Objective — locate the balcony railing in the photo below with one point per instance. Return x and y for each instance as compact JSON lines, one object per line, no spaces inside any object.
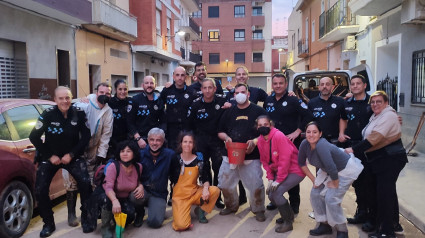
{"x":194,"y":26}
{"x":337,"y":15}
{"x":302,"y":48}
{"x":194,"y":57}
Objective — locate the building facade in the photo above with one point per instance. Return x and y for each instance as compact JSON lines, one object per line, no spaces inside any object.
{"x":235,"y":33}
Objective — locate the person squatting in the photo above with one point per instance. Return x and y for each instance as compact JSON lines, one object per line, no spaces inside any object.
{"x":120,"y":153}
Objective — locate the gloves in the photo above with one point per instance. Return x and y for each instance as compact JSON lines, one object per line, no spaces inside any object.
{"x":274,"y":186}
{"x":268,"y":186}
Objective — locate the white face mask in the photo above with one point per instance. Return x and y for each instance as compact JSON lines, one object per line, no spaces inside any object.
{"x":240,"y":98}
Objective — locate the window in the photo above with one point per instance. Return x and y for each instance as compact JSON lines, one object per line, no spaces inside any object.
{"x":198,"y":14}
{"x":240,"y":58}
{"x":257,"y":57}
{"x":214,"y":58}
{"x":24,"y":119}
{"x":4,"y":131}
{"x":239,"y":35}
{"x":213,"y":12}
{"x":214,"y":35}
{"x":158,"y":22}
{"x":313,"y":26}
{"x":257,"y":11}
{"x":239,"y":11}
{"x":418,"y":79}
{"x":257,"y":34}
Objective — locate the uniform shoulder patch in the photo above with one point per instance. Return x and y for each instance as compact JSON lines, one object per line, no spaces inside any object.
{"x":49,"y":109}
{"x":197,"y":99}
{"x":221,"y":95}
{"x":79,"y":109}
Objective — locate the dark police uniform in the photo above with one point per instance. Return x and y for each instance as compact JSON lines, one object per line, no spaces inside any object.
{"x":288,"y":114}
{"x":177,"y":103}
{"x":198,"y":85}
{"x":255,"y":95}
{"x":120,"y":131}
{"x":203,"y":119}
{"x":62,"y":136}
{"x":359,"y":113}
{"x":328,"y":113}
{"x":145,"y":114}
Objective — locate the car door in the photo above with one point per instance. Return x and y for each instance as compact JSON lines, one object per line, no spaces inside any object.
{"x":23,"y":119}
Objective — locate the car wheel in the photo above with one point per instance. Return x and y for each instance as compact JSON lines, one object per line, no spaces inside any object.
{"x":16,"y":204}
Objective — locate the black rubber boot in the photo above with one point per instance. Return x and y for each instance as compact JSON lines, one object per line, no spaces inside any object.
{"x":322,"y":229}
{"x":140,"y":213}
{"x":201,"y":215}
{"x":359,"y":217}
{"x":71,"y":201}
{"x":288,"y":218}
{"x":48,"y":229}
{"x":219,"y":203}
{"x":107,"y":224}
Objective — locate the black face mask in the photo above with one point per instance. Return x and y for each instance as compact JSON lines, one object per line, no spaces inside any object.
{"x":103,"y":99}
{"x":155,"y":151}
{"x":264,"y":130}
{"x":127,"y":164}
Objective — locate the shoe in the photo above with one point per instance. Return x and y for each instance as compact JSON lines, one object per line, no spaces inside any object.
{"x":226,"y":211}
{"x":87,"y":228}
{"x":322,"y":229}
{"x":138,"y":222}
{"x":368,"y":227}
{"x":342,"y":234}
{"x":71,"y":201}
{"x":170,"y":202}
{"x":311,"y":215}
{"x":358,"y":218}
{"x":201,"y":215}
{"x":259,"y":216}
{"x":219,"y":204}
{"x":287,"y":216}
{"x":270,"y":206}
{"x":279,"y":220}
{"x":47,"y":230}
{"x":398,"y":229}
{"x":380,"y":235}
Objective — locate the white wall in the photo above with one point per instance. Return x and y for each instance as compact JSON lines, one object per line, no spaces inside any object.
{"x":267,"y":34}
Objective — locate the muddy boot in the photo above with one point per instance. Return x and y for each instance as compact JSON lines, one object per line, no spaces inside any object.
{"x":201,"y":215}
{"x":287,"y":215}
{"x":71,"y":201}
{"x":359,"y":217}
{"x":107,"y":226}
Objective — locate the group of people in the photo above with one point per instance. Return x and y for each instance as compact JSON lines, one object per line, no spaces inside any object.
{"x":151,"y":139}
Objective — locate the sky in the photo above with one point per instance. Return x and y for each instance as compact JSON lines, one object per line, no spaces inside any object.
{"x":281,"y":9}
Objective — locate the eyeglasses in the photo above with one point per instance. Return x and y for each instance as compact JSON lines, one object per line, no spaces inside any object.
{"x":377,"y":102}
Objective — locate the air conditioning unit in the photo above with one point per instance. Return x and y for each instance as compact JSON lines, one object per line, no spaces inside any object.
{"x":350,"y":43}
{"x":413,"y":11}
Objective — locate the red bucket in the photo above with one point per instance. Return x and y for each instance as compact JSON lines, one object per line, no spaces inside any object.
{"x":236,"y":152}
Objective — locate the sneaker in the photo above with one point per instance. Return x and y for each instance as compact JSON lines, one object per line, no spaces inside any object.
{"x":398,"y":229}
{"x":311,"y":215}
{"x":259,"y":216}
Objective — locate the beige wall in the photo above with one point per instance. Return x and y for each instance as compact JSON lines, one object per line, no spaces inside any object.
{"x":94,"y":49}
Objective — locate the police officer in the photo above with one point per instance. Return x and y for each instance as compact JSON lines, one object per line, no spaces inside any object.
{"x":242,"y":77}
{"x":66,"y":136}
{"x":328,"y":110}
{"x":146,"y":111}
{"x":203,"y":117}
{"x":200,"y":74}
{"x":290,"y":115}
{"x":178,"y":97}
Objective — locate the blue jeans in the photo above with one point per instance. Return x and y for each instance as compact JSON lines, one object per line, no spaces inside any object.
{"x":156,"y":209}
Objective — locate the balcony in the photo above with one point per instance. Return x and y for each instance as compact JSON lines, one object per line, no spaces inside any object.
{"x":258,"y":20}
{"x":302,"y":48}
{"x":194,"y":57}
{"x":336,"y":23}
{"x":112,"y":21}
{"x":372,"y":7}
{"x":74,"y":12}
{"x":192,"y":29}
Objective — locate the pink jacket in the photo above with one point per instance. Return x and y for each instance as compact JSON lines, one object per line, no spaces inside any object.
{"x":284,"y":156}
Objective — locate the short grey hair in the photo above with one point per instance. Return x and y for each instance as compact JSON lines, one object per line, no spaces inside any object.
{"x":157,"y":131}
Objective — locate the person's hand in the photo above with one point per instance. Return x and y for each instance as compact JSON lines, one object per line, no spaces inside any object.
{"x":333,"y":184}
{"x":294,"y":135}
{"x":251,"y":146}
{"x":141,"y":143}
{"x":348,"y":95}
{"x":343,"y":138}
{"x":229,"y":87}
{"x":274,"y":186}
{"x":291,"y":93}
{"x":168,"y":84}
{"x":227,"y":105}
{"x":66,"y":159}
{"x":139,"y":192}
{"x":55,"y":160}
{"x":205,"y":193}
{"x":116,"y":206}
{"x":228,"y":139}
{"x":349,"y":150}
{"x":268,"y":186}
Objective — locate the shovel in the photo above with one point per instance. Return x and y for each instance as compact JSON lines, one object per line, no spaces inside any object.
{"x":409,"y":147}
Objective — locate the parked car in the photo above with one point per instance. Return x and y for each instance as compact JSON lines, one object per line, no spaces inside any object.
{"x":17,"y":178}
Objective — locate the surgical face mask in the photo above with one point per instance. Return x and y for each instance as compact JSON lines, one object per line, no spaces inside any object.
{"x":103,"y":99}
{"x":264,"y":130}
{"x":240,"y":98}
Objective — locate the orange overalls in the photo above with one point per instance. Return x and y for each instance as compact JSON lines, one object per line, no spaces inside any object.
{"x":186,"y":193}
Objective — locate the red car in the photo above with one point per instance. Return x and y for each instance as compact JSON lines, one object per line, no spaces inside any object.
{"x":17,"y":177}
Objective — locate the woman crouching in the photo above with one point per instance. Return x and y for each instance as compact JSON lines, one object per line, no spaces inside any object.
{"x":279,"y":158}
{"x":187,"y":192}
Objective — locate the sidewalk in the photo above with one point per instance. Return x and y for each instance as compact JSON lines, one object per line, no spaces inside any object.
{"x":411,"y":191}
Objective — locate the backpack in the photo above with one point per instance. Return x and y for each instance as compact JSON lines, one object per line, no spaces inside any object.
{"x":99,"y":175}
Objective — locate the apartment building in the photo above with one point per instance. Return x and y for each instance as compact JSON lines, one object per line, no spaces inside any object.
{"x":165,"y":38}
{"x":235,"y":33}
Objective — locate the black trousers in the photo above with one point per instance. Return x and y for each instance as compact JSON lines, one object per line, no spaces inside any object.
{"x":211,"y":147}
{"x":361,"y":186}
{"x":45,"y":172}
